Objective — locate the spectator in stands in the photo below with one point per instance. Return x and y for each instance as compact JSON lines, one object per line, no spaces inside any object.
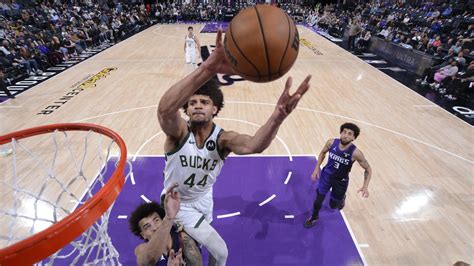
{"x":437,"y":42}
{"x":460,"y":59}
{"x":385,"y":32}
{"x":3,"y":86}
{"x":364,"y":42}
{"x":462,"y":85}
{"x":30,"y":64}
{"x":406,"y":44}
{"x":445,"y":72}
{"x":59,"y":47}
{"x":69,"y":45}
{"x":397,"y":38}
{"x":5,"y":47}
{"x":354,"y":30}
{"x":30,"y":57}
{"x":456,"y":47}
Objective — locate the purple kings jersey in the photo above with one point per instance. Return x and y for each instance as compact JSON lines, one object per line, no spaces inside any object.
{"x":339,"y":161}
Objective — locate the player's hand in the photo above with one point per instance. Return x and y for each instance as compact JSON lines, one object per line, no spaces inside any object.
{"x":216,"y":62}
{"x":315,"y":175}
{"x":364,"y":191}
{"x":172,"y":201}
{"x":287,"y":103}
{"x":175,"y":258}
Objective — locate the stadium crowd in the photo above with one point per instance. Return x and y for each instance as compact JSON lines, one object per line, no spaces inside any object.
{"x":443,"y":31}
{"x":37,"y":34}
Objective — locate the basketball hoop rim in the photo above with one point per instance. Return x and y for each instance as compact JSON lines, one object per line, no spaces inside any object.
{"x":43,"y":244}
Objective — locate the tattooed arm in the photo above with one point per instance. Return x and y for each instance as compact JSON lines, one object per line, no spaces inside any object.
{"x":191,"y":252}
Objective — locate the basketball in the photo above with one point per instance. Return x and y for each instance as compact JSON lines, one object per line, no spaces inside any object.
{"x":261,"y":43}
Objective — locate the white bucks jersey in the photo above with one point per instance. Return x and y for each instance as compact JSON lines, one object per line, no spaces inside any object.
{"x":190,"y":42}
{"x":194,"y":169}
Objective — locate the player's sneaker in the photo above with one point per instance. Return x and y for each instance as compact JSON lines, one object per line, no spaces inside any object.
{"x":310,"y":222}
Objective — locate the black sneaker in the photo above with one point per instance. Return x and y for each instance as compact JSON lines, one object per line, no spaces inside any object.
{"x":310,"y":222}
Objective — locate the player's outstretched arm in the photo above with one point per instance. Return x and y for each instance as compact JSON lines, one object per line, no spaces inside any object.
{"x":150,"y":252}
{"x":321,"y":156}
{"x":176,"y":96}
{"x":360,"y":158}
{"x":245,"y":144}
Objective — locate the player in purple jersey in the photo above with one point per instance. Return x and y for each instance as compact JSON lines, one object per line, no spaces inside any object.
{"x":335,"y":174}
{"x":163,"y":245}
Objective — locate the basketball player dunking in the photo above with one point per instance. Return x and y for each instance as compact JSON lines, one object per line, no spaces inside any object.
{"x":191,"y":44}
{"x":335,"y":175}
{"x":196,"y":149}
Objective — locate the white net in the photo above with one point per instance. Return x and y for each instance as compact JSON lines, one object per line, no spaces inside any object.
{"x":45,"y":178}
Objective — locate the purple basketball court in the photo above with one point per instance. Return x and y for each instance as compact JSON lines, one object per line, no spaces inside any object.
{"x":260,"y":204}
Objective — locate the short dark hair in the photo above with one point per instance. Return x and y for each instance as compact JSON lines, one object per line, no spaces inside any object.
{"x":144,"y":210}
{"x":190,"y":28}
{"x":211,"y":89}
{"x":352,"y":127}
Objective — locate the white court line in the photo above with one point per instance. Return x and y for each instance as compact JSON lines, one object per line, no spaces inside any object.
{"x":369,"y":124}
{"x":250,"y":123}
{"x":267,"y":200}
{"x":221,"y":118}
{"x":315,"y":111}
{"x":143,"y":145}
{"x":371,"y":66}
{"x":353,"y":238}
{"x":116,"y":112}
{"x":397,"y":133}
{"x":122,"y":217}
{"x":228,"y":215}
{"x":132,"y":178}
{"x":235,"y":155}
{"x":363,"y":245}
{"x":409,"y":90}
{"x":145,"y":198}
{"x":288,"y":178}
{"x":289,"y":216}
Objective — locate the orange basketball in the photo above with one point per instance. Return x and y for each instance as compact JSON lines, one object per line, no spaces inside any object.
{"x":261,"y":43}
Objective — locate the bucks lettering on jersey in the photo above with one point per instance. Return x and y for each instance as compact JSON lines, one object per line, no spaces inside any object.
{"x":340,"y":161}
{"x":194,"y":169}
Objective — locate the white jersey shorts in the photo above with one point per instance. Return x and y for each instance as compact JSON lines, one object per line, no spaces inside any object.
{"x":192,"y":214}
{"x":190,"y":55}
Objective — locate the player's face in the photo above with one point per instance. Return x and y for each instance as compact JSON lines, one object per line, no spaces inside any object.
{"x":347,"y":136}
{"x":149,"y":225}
{"x":200,"y":109}
{"x":190,"y":31}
